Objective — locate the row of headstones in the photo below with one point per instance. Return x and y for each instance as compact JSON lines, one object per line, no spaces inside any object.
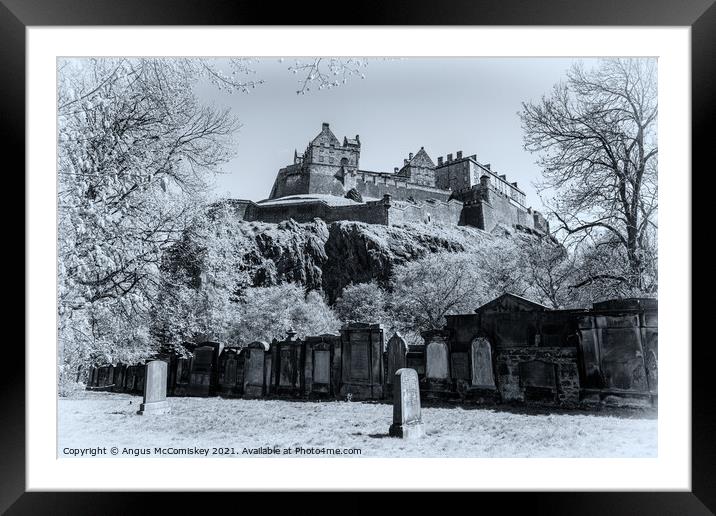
{"x":116,"y":378}
{"x":327,"y":366}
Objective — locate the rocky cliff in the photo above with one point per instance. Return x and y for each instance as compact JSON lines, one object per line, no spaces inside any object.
{"x":331,"y":256}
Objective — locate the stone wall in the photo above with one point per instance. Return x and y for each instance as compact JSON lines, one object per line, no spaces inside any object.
{"x":291,"y":180}
{"x":430,"y":212}
{"x":375,"y":212}
{"x":539,"y":375}
{"x":385,"y":212}
{"x":377,"y":185}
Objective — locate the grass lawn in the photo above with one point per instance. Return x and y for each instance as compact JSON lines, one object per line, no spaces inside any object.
{"x":100,"y":419}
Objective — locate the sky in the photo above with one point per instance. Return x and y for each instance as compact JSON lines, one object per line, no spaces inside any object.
{"x":442,"y":104}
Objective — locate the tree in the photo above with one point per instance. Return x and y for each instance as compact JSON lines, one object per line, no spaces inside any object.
{"x":202,"y":278}
{"x":136,"y":151}
{"x":596,"y":140}
{"x":326,"y":72}
{"x":549,"y":272}
{"x":265,"y":313}
{"x":426,"y":290}
{"x":362,"y":302}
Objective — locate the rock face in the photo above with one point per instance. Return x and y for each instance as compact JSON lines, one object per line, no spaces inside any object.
{"x":286,"y":252}
{"x":331,"y":256}
{"x":358,"y":252}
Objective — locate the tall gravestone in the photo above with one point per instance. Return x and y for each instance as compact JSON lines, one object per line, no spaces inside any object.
{"x":397,"y":351}
{"x":482,"y":363}
{"x":361,"y":358}
{"x":155,"y":389}
{"x":407,"y":417}
{"x":255,"y":369}
{"x":436,"y":366}
{"x":438,"y":381}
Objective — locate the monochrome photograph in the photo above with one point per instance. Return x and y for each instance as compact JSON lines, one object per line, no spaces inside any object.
{"x":434,"y":257}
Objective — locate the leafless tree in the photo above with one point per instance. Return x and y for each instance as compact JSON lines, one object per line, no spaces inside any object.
{"x":326,"y":72}
{"x":595,"y":135}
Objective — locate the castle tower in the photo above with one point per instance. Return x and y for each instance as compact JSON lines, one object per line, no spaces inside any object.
{"x":322,"y":168}
{"x":419,"y":168}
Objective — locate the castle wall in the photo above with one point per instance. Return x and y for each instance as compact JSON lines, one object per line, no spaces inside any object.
{"x":291,"y":180}
{"x":430,"y":212}
{"x":324,"y":180}
{"x":376,"y":186}
{"x":499,"y":209}
{"x":371,"y":213}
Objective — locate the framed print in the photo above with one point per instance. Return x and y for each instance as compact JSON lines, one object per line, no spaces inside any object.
{"x":423,"y":249}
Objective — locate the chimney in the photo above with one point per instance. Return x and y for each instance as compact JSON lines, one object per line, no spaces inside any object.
{"x":405,"y":162}
{"x":459,"y":154}
{"x":325,"y":126}
{"x":449,"y":158}
{"x":395,"y":170}
{"x":440,"y":161}
{"x":358,"y":139}
{"x":410,"y":156}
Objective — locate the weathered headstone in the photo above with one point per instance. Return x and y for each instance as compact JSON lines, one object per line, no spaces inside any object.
{"x":255,"y":369}
{"x":397,"y":351}
{"x":322,"y":366}
{"x":437,"y":360}
{"x":407,"y":418}
{"x":155,"y":389}
{"x":482,"y":363}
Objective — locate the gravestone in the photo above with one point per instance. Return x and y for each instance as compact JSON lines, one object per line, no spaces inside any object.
{"x":255,"y":369}
{"x":361,"y":361}
{"x":407,"y":418}
{"x":482,"y":363}
{"x":397,"y":351}
{"x":155,"y":389}
{"x":436,"y":363}
{"x":322,"y":366}
{"x":318,"y":375}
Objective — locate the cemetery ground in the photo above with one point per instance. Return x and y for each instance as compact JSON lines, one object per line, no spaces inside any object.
{"x":104,"y":419}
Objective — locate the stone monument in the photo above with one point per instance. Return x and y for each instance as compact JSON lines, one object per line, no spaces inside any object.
{"x":155,"y":389}
{"x":407,"y":419}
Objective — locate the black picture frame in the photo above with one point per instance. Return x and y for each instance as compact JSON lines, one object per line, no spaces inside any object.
{"x":700,"y":15}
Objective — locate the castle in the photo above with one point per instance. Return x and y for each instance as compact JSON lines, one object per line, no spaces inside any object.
{"x":326,"y":181}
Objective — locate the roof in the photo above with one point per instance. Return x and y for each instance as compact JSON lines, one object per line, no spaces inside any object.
{"x":331,"y":200}
{"x":326,"y":136}
{"x":630,"y":303}
{"x":420,"y":159}
{"x":509,"y":302}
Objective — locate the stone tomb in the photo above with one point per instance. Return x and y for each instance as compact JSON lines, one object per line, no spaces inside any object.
{"x":407,"y":417}
{"x":287,"y":366}
{"x":203,"y":374}
{"x":155,"y":389}
{"x":322,"y":356}
{"x":362,"y":361}
{"x":255,"y":369}
{"x":229,"y":378}
{"x":119,"y":377}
